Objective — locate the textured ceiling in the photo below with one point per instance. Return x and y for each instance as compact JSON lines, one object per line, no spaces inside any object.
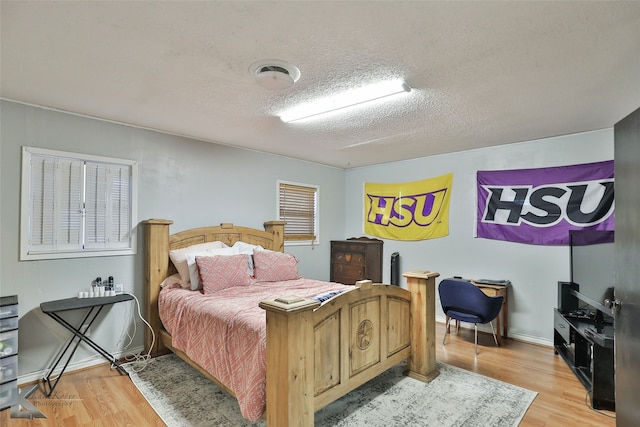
{"x":482,"y":73}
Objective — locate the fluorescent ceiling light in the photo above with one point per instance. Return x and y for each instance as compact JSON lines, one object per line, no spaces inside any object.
{"x":345,"y":100}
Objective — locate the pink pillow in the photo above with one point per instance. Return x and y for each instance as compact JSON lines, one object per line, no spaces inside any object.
{"x":222,"y":272}
{"x":173,"y":281}
{"x":271,"y":266}
{"x":179,"y":260}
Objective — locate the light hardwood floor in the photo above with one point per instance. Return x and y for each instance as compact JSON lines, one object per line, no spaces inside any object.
{"x":100,"y":396}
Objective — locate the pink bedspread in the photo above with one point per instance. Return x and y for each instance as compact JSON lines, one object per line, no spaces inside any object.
{"x":225,"y":332}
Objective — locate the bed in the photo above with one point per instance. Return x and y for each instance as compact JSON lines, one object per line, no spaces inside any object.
{"x":315,"y":351}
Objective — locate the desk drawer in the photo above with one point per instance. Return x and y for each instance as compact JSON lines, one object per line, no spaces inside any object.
{"x":562,"y":326}
{"x":8,"y":369}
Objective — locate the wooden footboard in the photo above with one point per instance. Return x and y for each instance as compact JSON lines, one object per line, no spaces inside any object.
{"x":317,"y":354}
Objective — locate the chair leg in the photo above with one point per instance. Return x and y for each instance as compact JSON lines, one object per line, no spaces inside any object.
{"x":446,"y":331}
{"x":475,"y":325}
{"x":494,"y":334}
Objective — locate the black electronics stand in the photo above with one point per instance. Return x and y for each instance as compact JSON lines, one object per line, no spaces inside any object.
{"x":94,"y":306}
{"x":585,"y":338}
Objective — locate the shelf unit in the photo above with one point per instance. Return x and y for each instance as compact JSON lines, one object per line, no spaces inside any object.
{"x":8,"y":351}
{"x":585,"y":343}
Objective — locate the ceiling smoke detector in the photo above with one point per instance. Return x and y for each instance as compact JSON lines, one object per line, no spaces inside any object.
{"x":274,"y":74}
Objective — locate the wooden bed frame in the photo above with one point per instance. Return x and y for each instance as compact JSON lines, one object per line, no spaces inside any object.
{"x":315,"y":353}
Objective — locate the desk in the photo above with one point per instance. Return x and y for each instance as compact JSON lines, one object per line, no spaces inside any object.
{"x":95,"y":306}
{"x":503,"y":318}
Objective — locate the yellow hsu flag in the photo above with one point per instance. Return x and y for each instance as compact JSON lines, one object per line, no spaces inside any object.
{"x":416,"y":210}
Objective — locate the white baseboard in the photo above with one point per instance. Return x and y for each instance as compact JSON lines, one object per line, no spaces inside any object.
{"x":74,"y":366}
{"x":518,"y":337}
{"x":532,"y":340}
{"x":97,"y":359}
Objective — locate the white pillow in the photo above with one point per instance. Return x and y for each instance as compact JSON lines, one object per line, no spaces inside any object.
{"x":194,"y":275}
{"x":248,"y":248}
{"x":180,"y":262}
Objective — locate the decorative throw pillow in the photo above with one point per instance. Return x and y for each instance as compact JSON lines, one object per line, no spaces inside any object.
{"x":271,"y":266}
{"x":194,"y":277}
{"x":222,"y":272}
{"x":180,"y":261}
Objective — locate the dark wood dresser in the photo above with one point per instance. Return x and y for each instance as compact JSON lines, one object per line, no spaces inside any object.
{"x":354,"y":259}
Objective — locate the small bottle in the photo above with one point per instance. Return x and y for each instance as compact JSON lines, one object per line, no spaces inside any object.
{"x":110,"y":287}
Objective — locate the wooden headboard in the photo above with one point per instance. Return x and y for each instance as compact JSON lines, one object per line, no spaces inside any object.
{"x":158,"y":266}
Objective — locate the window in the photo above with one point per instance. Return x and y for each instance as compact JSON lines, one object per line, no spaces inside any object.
{"x":298,"y":206}
{"x":76,"y":205}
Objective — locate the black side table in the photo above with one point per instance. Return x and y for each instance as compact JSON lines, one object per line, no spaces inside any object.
{"x":95,"y":306}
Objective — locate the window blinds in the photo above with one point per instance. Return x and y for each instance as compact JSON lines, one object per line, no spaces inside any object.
{"x":297,"y":205}
{"x":56,"y":204}
{"x":77,"y":205}
{"x":107,"y":206}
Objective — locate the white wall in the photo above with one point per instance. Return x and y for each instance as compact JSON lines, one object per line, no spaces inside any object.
{"x":190,"y":182}
{"x":533,"y":270}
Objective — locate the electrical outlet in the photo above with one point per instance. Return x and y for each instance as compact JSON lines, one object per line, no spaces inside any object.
{"x":128,"y":288}
{"x":87,"y":330}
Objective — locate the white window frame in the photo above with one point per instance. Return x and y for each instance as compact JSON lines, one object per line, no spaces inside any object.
{"x":91,"y":205}
{"x":316,"y":220}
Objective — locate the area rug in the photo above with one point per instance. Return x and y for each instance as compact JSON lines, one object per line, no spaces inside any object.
{"x":183,"y":397}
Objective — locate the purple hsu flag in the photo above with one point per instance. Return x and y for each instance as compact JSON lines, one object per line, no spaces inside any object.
{"x":540,"y":206}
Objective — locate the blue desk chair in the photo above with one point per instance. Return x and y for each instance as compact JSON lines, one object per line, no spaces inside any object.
{"x":463,"y":301}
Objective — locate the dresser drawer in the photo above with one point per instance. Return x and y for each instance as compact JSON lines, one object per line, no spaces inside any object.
{"x":8,"y":394}
{"x":347,"y":274}
{"x":8,"y":368}
{"x":8,"y":324}
{"x":349,"y":246}
{"x":10,"y":310}
{"x":352,"y":258}
{"x":8,"y":343}
{"x":562,"y":326}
